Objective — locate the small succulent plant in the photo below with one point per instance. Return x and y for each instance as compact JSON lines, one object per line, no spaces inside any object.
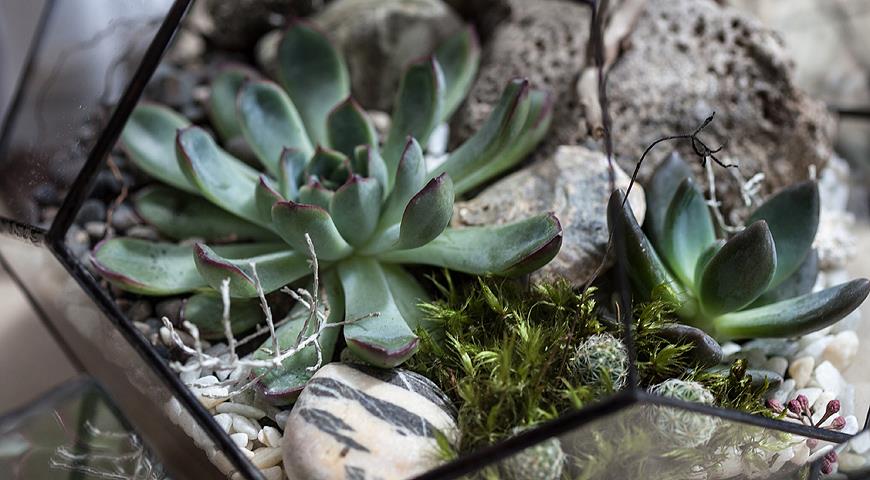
{"x":601,"y":362}
{"x":542,"y":461}
{"x":757,"y":283}
{"x":367,"y":207}
{"x":683,"y":428}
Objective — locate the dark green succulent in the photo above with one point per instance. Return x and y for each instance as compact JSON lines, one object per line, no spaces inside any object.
{"x":757,"y":283}
{"x":368,"y":208}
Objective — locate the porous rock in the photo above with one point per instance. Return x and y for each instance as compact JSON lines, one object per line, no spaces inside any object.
{"x":379,"y":38}
{"x":574,"y":184}
{"x":353,"y":421}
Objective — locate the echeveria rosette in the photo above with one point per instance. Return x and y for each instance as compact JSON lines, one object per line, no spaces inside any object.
{"x":757,"y":283}
{"x":368,"y":208}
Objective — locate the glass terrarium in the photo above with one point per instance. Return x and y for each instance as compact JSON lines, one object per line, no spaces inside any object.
{"x":269,"y":275}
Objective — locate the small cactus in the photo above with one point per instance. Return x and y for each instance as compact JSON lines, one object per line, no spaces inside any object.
{"x":601,"y":362}
{"x":543,"y":461}
{"x":681,"y":427}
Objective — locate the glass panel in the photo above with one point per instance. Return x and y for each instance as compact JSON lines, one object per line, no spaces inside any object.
{"x":74,"y":433}
{"x":84,"y":60}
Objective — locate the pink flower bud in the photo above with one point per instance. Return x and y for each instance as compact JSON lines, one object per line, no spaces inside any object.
{"x":833,"y":407}
{"x":838,"y":423}
{"x":812,"y":443}
{"x":803,"y":401}
{"x":794,"y":406}
{"x":775,"y":405}
{"x":831,"y":456}
{"x":827,"y":467}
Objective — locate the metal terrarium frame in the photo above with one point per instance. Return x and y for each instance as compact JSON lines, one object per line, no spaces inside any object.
{"x":106,"y":345}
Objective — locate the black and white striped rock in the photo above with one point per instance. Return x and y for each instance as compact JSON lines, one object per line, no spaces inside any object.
{"x":353,"y":421}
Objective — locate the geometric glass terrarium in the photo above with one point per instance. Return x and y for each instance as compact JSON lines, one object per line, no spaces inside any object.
{"x":95,"y":185}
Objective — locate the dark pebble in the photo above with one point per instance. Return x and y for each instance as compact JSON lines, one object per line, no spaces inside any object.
{"x":139,"y":311}
{"x":169,"y":308}
{"x":124,"y":217}
{"x":142,"y":231}
{"x":759,"y":376}
{"x":706,"y":351}
{"x":46,"y":194}
{"x":106,"y":186}
{"x":92,"y":210}
{"x":96,"y":230}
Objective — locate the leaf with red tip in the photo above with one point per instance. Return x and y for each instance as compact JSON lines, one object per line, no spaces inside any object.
{"x":410,"y":176}
{"x":314,"y":193}
{"x":355,"y":209}
{"x":293,"y":220}
{"x":275,"y":270}
{"x":348,"y":126}
{"x":266,"y":195}
{"x":428,"y":213}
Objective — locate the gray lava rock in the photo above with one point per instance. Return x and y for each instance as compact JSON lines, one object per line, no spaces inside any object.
{"x":380,"y":37}
{"x":359,"y":422}
{"x":240,"y":23}
{"x":574,"y":184}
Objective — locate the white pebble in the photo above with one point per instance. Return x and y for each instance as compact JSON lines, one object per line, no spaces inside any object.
{"x":266,"y":457}
{"x":730,"y":348}
{"x":165,"y":336}
{"x":829,"y":377}
{"x":851,"y":427}
{"x":842,"y":349}
{"x":850,"y":461}
{"x":821,"y":405}
{"x":247,"y":452}
{"x":281,"y":418}
{"x":211,"y":397}
{"x":820,"y":452}
{"x":801,"y":454}
{"x":860,"y":443}
{"x":224,"y":420}
{"x":783,"y":392}
{"x":273,"y":473}
{"x":816,"y":348}
{"x":206,"y":381}
{"x":270,"y":437}
{"x":812,"y":394}
{"x":190,"y":376}
{"x":800,"y":370}
{"x":245,"y":425}
{"x":240,"y":439}
{"x":781,"y":457}
{"x":777,"y":364}
{"x":241,"y":409}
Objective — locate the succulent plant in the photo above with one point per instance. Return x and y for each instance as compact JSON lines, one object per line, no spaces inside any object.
{"x":682,"y":428}
{"x":542,"y":461}
{"x":758,"y":283}
{"x":600,"y":361}
{"x":367,"y":208}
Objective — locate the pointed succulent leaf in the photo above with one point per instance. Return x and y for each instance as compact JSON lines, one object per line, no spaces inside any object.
{"x":704,"y":259}
{"x":293,"y":220}
{"x":221,"y":178}
{"x":537,"y":122}
{"x":347,"y":126}
{"x":281,"y":386}
{"x":330,"y":167}
{"x":797,"y":316}
{"x":314,"y":74}
{"x":222,"y":100}
{"x":158,"y":268}
{"x":409,"y":178}
{"x":275,"y":269}
{"x":266,"y":195}
{"x":428,"y":213}
{"x":501,"y":128}
{"x":290,"y":172}
{"x":740,"y":272}
{"x":799,"y":283}
{"x":314,"y":193}
{"x":407,"y":295}
{"x":509,"y":250}
{"x":205,"y":310}
{"x":355,"y":209}
{"x":688,"y":231}
{"x":459,"y":58}
{"x":793,"y":217}
{"x":149,"y":140}
{"x":270,"y":123}
{"x":180,"y":215}
{"x":645,"y":269}
{"x":660,"y":190}
{"x":417,"y":109}
{"x":384,"y":340}
{"x":367,"y":162}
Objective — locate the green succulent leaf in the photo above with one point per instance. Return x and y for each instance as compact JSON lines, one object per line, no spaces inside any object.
{"x":367,"y":162}
{"x":270,"y":123}
{"x":158,"y":268}
{"x":293,"y":220}
{"x":221,"y":178}
{"x":537,"y":122}
{"x":384,"y":340}
{"x":222,"y":101}
{"x":417,"y":109}
{"x":290,"y":170}
{"x":705,"y":258}
{"x":409,"y":179}
{"x":799,"y":283}
{"x":331,"y":167}
{"x":149,"y":140}
{"x":797,"y":316}
{"x":509,"y":250}
{"x":348,"y":126}
{"x":281,"y":386}
{"x":793,"y":217}
{"x":459,"y":58}
{"x":205,"y":310}
{"x":314,"y":74}
{"x":428,"y":213}
{"x":688,"y":231}
{"x":407,"y":295}
{"x":740,"y":272}
{"x":660,"y":191}
{"x":265,"y":195}
{"x":645,"y":269}
{"x":314,"y":193}
{"x":275,"y":269}
{"x":179,"y":215}
{"x":355,"y":209}
{"x":501,"y":128}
